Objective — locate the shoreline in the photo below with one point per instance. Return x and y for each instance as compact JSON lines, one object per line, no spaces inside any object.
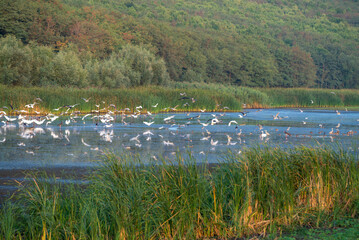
{"x":42,"y":114}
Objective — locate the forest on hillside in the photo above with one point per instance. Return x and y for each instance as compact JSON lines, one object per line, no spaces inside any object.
{"x":115,"y":43}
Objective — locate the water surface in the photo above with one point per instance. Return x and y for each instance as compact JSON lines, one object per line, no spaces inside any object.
{"x":81,"y":142}
{"x":69,"y":145}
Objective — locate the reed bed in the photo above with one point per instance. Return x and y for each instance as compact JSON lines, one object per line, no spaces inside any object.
{"x":260,"y":191}
{"x":212,"y":97}
{"x":146,"y":97}
{"x":250,"y":97}
{"x":304,"y":97}
{"x":283,"y":97}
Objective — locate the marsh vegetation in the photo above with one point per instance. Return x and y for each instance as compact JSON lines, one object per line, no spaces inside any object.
{"x":260,"y":191}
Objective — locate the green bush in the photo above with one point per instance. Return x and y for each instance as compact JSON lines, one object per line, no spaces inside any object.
{"x":15,"y":62}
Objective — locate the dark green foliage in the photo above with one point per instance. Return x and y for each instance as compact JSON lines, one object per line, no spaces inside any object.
{"x":26,"y":65}
{"x":15,"y":62}
{"x":247,"y":43}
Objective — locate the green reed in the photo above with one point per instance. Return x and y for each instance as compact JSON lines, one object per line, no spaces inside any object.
{"x":303,"y":97}
{"x":212,"y":97}
{"x":260,"y":191}
{"x":168,"y":99}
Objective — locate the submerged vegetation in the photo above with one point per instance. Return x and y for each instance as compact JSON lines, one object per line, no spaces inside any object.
{"x":258,"y":192}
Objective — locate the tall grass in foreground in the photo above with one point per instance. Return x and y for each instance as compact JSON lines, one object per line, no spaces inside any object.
{"x":261,"y":191}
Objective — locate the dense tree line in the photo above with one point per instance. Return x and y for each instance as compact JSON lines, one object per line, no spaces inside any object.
{"x":262,"y":43}
{"x":34,"y":65}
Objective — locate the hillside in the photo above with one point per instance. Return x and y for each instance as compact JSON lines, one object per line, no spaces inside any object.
{"x":107,"y":43}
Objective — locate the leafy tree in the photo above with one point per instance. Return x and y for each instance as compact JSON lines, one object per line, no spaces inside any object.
{"x":15,"y":18}
{"x":67,"y":70}
{"x":143,"y":67}
{"x":303,"y":68}
{"x":15,"y":62}
{"x":41,"y":65}
{"x":109,"y":73}
{"x":262,"y":43}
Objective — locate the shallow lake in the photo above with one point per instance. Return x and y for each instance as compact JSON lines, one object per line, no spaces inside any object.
{"x":78,"y":141}
{"x":72,"y":142}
